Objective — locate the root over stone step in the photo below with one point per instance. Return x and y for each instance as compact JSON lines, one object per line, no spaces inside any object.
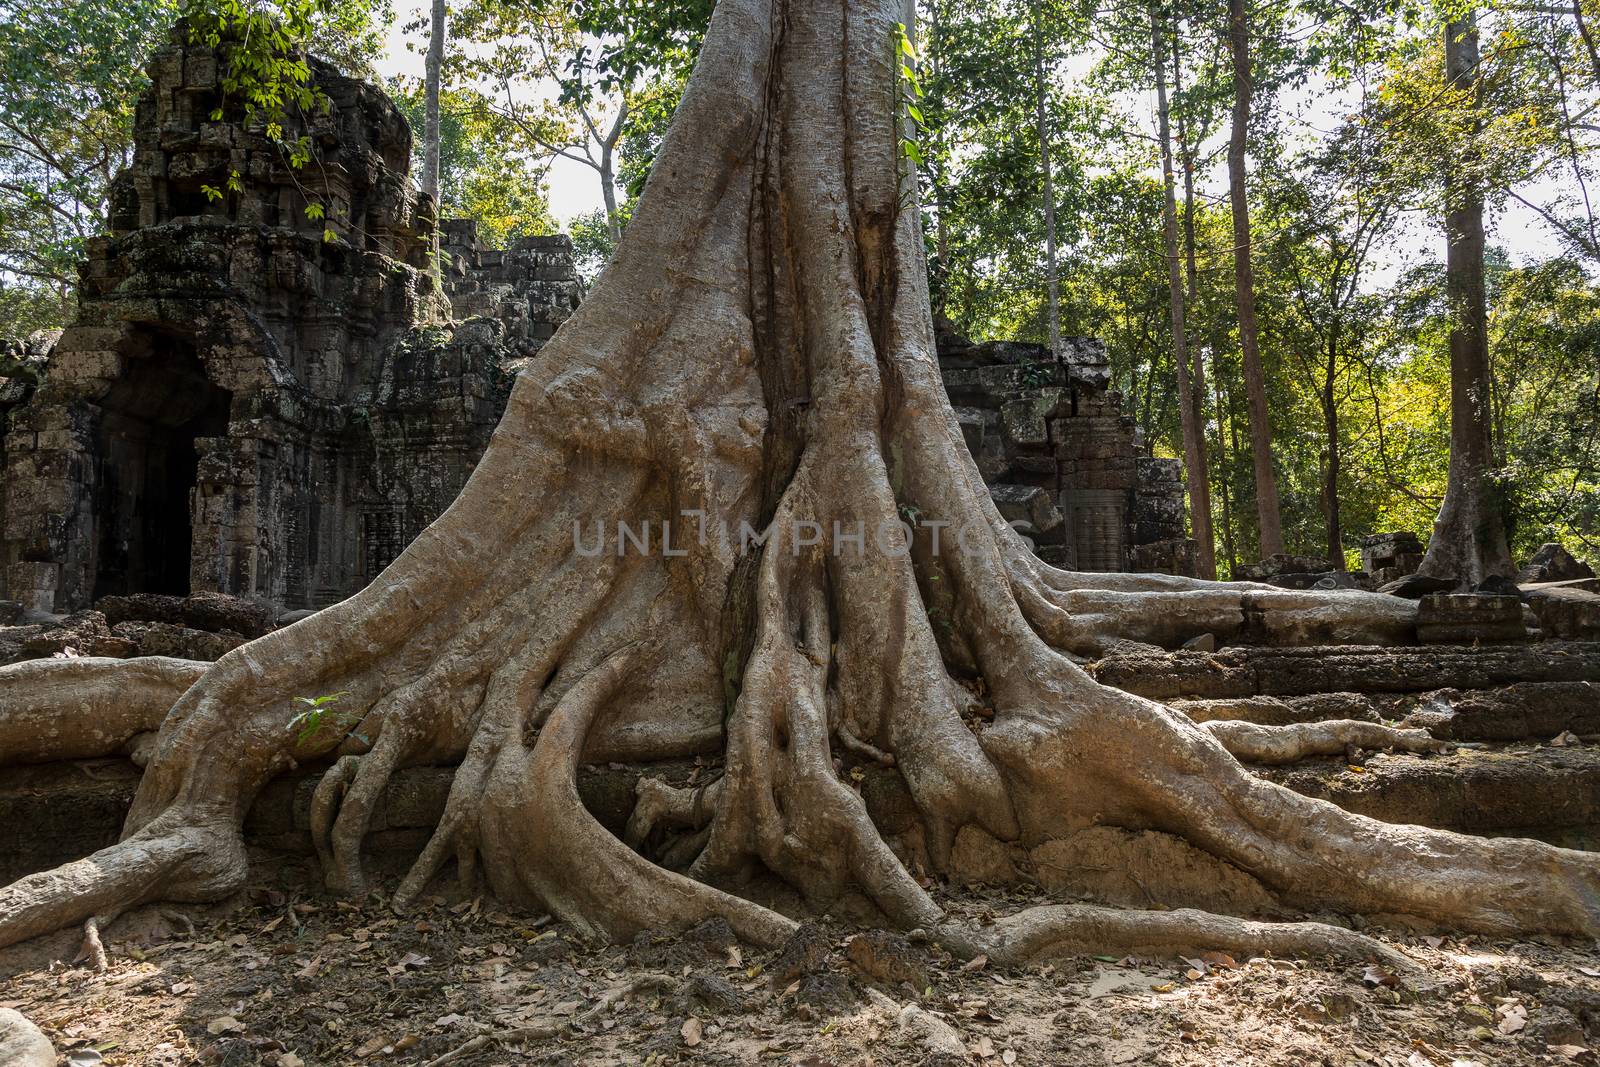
{"x":1553,"y":793}
{"x":1254,"y":671}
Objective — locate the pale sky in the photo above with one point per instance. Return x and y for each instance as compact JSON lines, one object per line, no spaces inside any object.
{"x":574,"y":188}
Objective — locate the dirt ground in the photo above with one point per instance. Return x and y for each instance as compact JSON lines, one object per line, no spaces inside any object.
{"x":284,"y":976}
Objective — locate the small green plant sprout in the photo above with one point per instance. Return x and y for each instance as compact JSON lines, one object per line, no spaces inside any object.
{"x":316,"y":716}
{"x":908,"y":94}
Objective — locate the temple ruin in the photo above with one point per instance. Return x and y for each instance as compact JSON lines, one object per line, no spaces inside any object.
{"x":1062,"y":459}
{"x":253,"y":400}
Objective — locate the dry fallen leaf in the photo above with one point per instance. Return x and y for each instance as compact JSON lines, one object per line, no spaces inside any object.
{"x":984,"y":1048}
{"x":409,"y":960}
{"x":224,"y":1024}
{"x":372,"y":1046}
{"x":691,"y":1031}
{"x":289,"y":1059}
{"x":976,"y":963}
{"x":1376,"y":976}
{"x":1513,"y":1017}
{"x":1009,"y":1056}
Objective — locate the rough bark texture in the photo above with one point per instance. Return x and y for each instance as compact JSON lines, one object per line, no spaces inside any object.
{"x":22,"y":1044}
{"x":1469,"y":536}
{"x":1255,"y":377}
{"x":760,"y":351}
{"x":86,"y":706}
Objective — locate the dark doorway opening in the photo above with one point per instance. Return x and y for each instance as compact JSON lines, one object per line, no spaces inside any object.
{"x":147,"y":465}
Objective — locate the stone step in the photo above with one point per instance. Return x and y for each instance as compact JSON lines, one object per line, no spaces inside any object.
{"x":1256,"y":671}
{"x":1547,"y":792}
{"x":67,"y":810}
{"x":1527,"y":711}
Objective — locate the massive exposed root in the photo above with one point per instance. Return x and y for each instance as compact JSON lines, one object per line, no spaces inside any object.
{"x":1084,"y":929}
{"x":85,"y":707}
{"x":758,"y":359}
{"x":1276,"y":745}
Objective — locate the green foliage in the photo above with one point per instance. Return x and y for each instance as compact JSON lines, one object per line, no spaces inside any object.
{"x":1352,"y":350}
{"x":591,"y":243}
{"x":319,"y":717}
{"x":616,"y":68}
{"x":908,"y":94}
{"x":70,"y":73}
{"x":489,"y":170}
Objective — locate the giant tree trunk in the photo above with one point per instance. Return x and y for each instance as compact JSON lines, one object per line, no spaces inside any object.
{"x":758,"y":356}
{"x":1255,"y":378}
{"x":1469,"y":536}
{"x":1190,"y":383}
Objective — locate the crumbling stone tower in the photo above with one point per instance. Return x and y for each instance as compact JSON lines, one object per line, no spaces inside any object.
{"x":247,"y":404}
{"x":1062,"y":459}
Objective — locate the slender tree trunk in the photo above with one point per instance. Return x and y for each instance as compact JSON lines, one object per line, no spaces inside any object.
{"x":1255,"y":379}
{"x":432,"y":75}
{"x":608,"y":192}
{"x":606,"y":144}
{"x":1330,"y":482}
{"x":1469,"y":536}
{"x":1189,"y":410}
{"x":1226,"y":488}
{"x":1041,"y":107}
{"x":1186,"y":154}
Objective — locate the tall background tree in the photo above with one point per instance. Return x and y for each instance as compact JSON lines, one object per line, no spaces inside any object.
{"x":1261,"y":449}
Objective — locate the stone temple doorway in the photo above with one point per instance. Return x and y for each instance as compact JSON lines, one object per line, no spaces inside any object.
{"x":147,"y":462}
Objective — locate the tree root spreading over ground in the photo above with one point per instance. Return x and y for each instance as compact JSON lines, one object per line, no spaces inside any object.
{"x":759,"y":356}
